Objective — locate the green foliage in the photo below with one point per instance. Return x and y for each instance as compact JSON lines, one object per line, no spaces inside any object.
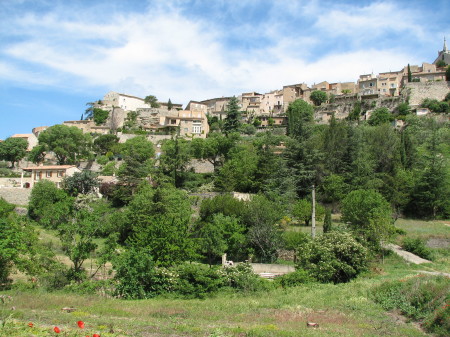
{"x":248,"y":129}
{"x":403,"y":109}
{"x":134,"y":273}
{"x":447,"y":73}
{"x":333,"y":257}
{"x":368,"y":214}
{"x":327,"y":224}
{"x":417,"y":246}
{"x":303,"y":211}
{"x":158,"y":219}
{"x":152,"y":101}
{"x":409,"y":73}
{"x":356,"y":112}
{"x":421,"y":298}
{"x":224,"y":204}
{"x":242,"y":278}
{"x":215,"y":148}
{"x":435,"y":106}
{"x":100,"y":116}
{"x":83,"y":182}
{"x":5,"y":208}
{"x":441,"y":64}
{"x":294,"y":279}
{"x":13,"y":149}
{"x":169,"y":105}
{"x":68,"y":143}
{"x":300,"y":116}
{"x":109,"y":169}
{"x":318,"y":97}
{"x":261,"y":217}
{"x":380,"y":116}
{"x":105,"y":143}
{"x":174,"y":159}
{"x":198,"y":281}
{"x":49,"y":205}
{"x":233,"y":120}
{"x":334,"y":188}
{"x":37,"y":154}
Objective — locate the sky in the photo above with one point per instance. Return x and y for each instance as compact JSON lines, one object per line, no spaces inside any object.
{"x":56,"y":56}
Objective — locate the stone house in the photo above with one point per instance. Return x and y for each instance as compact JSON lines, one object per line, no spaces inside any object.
{"x":53,"y":173}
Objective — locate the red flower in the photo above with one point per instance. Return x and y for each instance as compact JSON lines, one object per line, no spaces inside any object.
{"x":95,"y":335}
{"x":56,"y":329}
{"x":30,"y":325}
{"x":80,"y":324}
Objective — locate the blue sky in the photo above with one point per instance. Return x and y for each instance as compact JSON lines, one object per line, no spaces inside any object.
{"x":58,"y":55}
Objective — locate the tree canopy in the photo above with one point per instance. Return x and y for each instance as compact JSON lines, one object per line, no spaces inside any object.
{"x":318,"y":97}
{"x":13,"y":149}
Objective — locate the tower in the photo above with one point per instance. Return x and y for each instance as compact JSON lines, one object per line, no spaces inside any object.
{"x":443,"y":55}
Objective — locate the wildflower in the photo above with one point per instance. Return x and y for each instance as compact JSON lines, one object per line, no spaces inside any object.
{"x":95,"y":335}
{"x":30,"y":325}
{"x":80,"y":324}
{"x":56,"y":329}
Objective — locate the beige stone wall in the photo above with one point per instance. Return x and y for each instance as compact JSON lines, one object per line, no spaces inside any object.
{"x":16,"y":196}
{"x":418,"y":91}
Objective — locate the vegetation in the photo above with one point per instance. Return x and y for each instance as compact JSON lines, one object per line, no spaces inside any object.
{"x":318,"y":97}
{"x":13,"y":149}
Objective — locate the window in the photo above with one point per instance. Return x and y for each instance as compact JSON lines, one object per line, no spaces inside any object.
{"x":197,"y":127}
{"x":60,"y":174}
{"x":48,"y":174}
{"x":37,"y":175}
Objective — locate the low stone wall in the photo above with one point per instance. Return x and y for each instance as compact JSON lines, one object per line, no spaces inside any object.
{"x":278,"y":269}
{"x":16,"y":196}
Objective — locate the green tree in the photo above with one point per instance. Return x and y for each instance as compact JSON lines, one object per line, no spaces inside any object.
{"x":447,"y":73}
{"x":333,"y":257}
{"x":83,"y":182}
{"x":303,"y":211}
{"x":409,"y":74}
{"x":334,"y":189}
{"x":261,"y":217}
{"x":327,"y":224}
{"x":174,"y":159}
{"x":13,"y":150}
{"x":49,"y":205}
{"x":441,"y":64}
{"x":37,"y":154}
{"x":68,"y":143}
{"x":225,"y":204}
{"x":355,"y":114}
{"x":403,"y":109}
{"x":78,"y":233}
{"x":100,"y":116}
{"x":152,"y":101}
{"x":380,"y":116}
{"x":318,"y":97}
{"x":215,"y":148}
{"x":159,"y":219}
{"x":368,"y":214}
{"x":233,"y":120}
{"x":106,"y":143}
{"x":169,"y":105}
{"x":300,"y":118}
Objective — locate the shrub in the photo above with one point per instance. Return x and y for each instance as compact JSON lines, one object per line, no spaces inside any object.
{"x":197,"y":280}
{"x":417,"y":246}
{"x":243,"y":278}
{"x":420,"y":298}
{"x":333,"y":257}
{"x":294,"y":279}
{"x":102,"y":160}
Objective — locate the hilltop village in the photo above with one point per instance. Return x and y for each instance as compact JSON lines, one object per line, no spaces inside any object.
{"x":270,"y":198}
{"x":125,"y":115}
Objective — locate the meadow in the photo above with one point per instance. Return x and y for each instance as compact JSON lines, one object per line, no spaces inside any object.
{"x":347,"y":309}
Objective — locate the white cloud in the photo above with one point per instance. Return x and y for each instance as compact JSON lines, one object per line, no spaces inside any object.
{"x":163,"y":53}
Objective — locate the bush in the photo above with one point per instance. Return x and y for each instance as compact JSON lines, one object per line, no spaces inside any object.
{"x":102,"y":160}
{"x":197,"y":280}
{"x":243,"y":278}
{"x":333,"y":257}
{"x":417,"y":246}
{"x":294,"y":279}
{"x":422,"y":298}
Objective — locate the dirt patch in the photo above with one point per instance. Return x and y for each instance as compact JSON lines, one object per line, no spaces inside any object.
{"x":318,"y":316}
{"x":438,"y":243}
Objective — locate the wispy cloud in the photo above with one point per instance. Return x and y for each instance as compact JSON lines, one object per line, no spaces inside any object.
{"x":168,"y":50}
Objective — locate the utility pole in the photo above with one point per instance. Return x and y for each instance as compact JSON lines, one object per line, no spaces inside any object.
{"x":313,"y":216}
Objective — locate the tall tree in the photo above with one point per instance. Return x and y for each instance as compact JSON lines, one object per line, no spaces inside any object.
{"x":300,"y":118}
{"x":318,"y":97}
{"x":68,"y":143}
{"x":233,"y":119}
{"x":174,"y":159}
{"x":13,"y":149}
{"x":169,"y":105}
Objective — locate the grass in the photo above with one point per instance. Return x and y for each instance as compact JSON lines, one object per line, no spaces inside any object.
{"x":340,"y":310}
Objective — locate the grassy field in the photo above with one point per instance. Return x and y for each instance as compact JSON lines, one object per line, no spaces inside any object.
{"x":340,"y":310}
